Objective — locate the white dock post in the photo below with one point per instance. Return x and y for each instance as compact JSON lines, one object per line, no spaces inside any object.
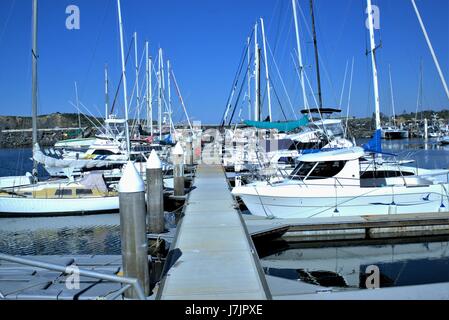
{"x":133,"y":229}
{"x":196,"y":145}
{"x":155,"y":194}
{"x":189,"y":152}
{"x":178,"y":169}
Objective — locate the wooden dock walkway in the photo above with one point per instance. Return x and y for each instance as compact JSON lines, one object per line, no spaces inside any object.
{"x":216,"y":256}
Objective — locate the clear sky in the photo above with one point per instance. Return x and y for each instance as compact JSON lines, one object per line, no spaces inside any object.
{"x":204,"y":40}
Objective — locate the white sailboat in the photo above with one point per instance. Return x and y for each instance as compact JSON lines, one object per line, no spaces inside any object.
{"x":54,"y":197}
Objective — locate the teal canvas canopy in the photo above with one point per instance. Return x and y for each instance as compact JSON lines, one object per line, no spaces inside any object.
{"x":280,"y":126}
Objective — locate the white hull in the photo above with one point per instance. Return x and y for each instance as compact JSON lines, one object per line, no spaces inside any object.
{"x":18,"y":206}
{"x":295,"y":201}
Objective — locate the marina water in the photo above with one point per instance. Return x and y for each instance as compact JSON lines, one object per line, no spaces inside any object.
{"x":401,"y":262}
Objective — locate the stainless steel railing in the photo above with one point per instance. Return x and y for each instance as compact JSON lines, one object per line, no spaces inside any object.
{"x":129,"y":282}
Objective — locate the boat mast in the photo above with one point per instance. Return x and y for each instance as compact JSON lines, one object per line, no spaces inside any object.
{"x":106,"y":92}
{"x":249,"y":77}
{"x":149,"y":91}
{"x":267,"y":76}
{"x":373,"y":60}
{"x":435,"y":60}
{"x":301,"y":66}
{"x":136,"y":65}
{"x":169,"y":97}
{"x":34,"y":55}
{"x":78,"y":105}
{"x":125,"y":93}
{"x":315,"y":45}
{"x":392,"y":96}
{"x":256,"y":77}
{"x":159,"y":97}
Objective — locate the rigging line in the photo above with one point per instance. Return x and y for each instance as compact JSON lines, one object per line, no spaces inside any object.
{"x":320,"y":58}
{"x":307,"y":80}
{"x":121,"y":79}
{"x":97,"y":41}
{"x":349,"y":97}
{"x":91,"y":114}
{"x":282,"y":81}
{"x":344,"y":84}
{"x":236,"y":78}
{"x":11,"y":9}
{"x":272,"y":87}
{"x":278,"y":29}
{"x":95,"y":126}
{"x":238,"y":98}
{"x":277,"y":98}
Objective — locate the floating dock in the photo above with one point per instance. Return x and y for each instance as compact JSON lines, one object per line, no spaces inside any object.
{"x":215,"y":258}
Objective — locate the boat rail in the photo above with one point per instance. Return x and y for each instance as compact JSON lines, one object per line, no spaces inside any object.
{"x":70,"y":270}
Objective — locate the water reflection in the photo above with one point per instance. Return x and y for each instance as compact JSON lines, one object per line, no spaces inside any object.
{"x":85,"y":240}
{"x":342,"y":265}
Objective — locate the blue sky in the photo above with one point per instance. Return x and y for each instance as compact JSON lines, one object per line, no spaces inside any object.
{"x":204,"y":39}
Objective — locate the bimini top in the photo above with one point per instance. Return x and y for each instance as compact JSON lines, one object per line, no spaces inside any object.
{"x":343,"y":154}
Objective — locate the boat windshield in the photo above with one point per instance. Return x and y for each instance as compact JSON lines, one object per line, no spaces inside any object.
{"x":332,"y":129}
{"x":317,"y":170}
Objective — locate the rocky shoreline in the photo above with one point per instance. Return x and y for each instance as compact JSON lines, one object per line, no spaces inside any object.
{"x":357,"y":127}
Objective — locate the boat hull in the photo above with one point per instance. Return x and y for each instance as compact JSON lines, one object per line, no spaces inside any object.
{"x":17,"y":206}
{"x":328,"y":203}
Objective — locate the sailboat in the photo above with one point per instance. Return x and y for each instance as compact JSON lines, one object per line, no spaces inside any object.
{"x":54,"y":197}
{"x":333,"y":183}
{"x":392,"y":131}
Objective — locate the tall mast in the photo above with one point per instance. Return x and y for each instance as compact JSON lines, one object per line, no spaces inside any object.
{"x":159,"y":96}
{"x":267,"y":76}
{"x":256,"y":77}
{"x":34,"y":55}
{"x":78,"y":105}
{"x":301,"y":66}
{"x":373,"y":60}
{"x":249,"y":78}
{"x":315,"y":45}
{"x":125,"y":93}
{"x":106,"y":92}
{"x":150,"y":71}
{"x":136,"y":64}
{"x":392,"y":96}
{"x":148,"y":93}
{"x":169,"y":96}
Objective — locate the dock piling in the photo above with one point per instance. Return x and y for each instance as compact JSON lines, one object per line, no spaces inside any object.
{"x":133,"y":229}
{"x":178,"y":169}
{"x":155,"y":194}
{"x":189,"y":152}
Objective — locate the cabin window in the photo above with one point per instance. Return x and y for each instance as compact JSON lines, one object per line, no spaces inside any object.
{"x":63,"y":192}
{"x":318,"y":170}
{"x":326,"y":169}
{"x":103,"y":152}
{"x":376,"y":174}
{"x":84,"y":192}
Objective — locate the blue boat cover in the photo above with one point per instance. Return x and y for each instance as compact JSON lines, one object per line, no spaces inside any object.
{"x":375,"y":144}
{"x":280,"y":126}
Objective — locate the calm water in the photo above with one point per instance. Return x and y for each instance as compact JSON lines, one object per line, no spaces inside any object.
{"x":425,"y":261}
{"x":15,"y":162}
